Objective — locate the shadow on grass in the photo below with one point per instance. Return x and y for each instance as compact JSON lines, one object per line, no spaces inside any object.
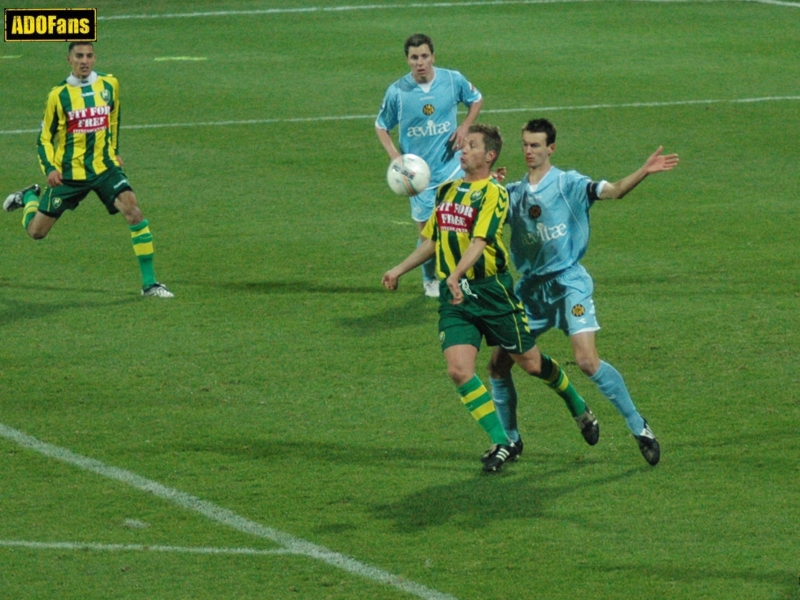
{"x":321,"y":453}
{"x":291,"y":287}
{"x":785,"y":582}
{"x":16,"y":310}
{"x":37,"y":287}
{"x":414,"y":311}
{"x":522,"y":490}
{"x":482,"y":499}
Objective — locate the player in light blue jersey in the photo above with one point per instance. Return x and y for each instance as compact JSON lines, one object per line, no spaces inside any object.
{"x":549,"y":220}
{"x":424,"y":104}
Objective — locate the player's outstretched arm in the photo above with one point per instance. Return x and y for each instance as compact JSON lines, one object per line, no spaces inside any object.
{"x":656,"y":163}
{"x":423,"y":252}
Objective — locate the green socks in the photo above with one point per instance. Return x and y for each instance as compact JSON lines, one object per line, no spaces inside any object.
{"x":555,"y":377}
{"x":142,"y":241}
{"x":478,"y":402}
{"x":31,"y":201}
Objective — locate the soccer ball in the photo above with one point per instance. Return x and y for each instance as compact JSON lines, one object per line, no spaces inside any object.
{"x":408,"y":175}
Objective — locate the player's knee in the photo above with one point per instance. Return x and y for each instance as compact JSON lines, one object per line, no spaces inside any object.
{"x":127,"y":205}
{"x":531,"y":367}
{"x":459,"y":374}
{"x":588,"y":364}
{"x":37,"y":230}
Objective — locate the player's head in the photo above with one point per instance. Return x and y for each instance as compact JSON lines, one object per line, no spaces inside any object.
{"x":73,"y":44}
{"x":482,"y":146}
{"x":538,"y":143}
{"x":419,"y":55}
{"x":81,"y":58}
{"x":541,"y":126}
{"x":417,"y":40}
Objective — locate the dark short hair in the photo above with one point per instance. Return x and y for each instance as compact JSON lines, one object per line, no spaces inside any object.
{"x":492,"y":140}
{"x":541,"y":126}
{"x":418,"y":39}
{"x":73,"y":44}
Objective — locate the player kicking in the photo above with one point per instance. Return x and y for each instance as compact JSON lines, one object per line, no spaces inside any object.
{"x":424,"y":104}
{"x":78,"y":154}
{"x":549,"y":220}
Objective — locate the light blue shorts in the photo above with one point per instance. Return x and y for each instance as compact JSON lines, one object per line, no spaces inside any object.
{"x":563,"y":302}
{"x":422,"y":205}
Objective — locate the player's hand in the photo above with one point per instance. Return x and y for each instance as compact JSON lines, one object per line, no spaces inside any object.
{"x":499,"y":174}
{"x":119,"y":160}
{"x":54,"y":178}
{"x":390,"y":279}
{"x":658,"y":162}
{"x":458,"y":137}
{"x":455,"y":290}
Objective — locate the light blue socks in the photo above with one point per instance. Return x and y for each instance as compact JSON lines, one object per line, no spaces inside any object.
{"x":612,"y":386}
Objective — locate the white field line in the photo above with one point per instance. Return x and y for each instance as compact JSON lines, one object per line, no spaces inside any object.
{"x":531,"y":110}
{"x":137,"y":548}
{"x":396,"y":6}
{"x":224,"y":516}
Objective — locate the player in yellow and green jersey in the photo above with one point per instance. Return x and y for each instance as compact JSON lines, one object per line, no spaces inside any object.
{"x":476,"y":293}
{"x":77,"y":148}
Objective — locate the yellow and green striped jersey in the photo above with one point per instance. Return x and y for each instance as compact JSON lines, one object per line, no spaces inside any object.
{"x":464,"y":211}
{"x":79,"y":135}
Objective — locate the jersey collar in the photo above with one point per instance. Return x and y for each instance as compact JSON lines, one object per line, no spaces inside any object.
{"x":72,"y":80}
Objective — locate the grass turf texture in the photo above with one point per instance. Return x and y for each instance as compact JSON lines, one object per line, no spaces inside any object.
{"x":285,"y":385}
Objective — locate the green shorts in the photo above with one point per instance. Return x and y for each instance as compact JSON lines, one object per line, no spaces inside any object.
{"x":108,"y":185}
{"x":490,"y":310}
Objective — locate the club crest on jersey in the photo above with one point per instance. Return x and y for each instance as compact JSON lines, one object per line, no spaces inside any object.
{"x":428,"y":110}
{"x":535,"y":211}
{"x":578,"y":310}
{"x":105,"y":95}
{"x":476,"y":196}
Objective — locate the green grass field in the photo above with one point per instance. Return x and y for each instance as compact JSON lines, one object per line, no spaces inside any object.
{"x":285,"y":428}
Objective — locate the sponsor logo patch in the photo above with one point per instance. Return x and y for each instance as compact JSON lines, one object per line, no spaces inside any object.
{"x":454,"y":217}
{"x":88,"y":120}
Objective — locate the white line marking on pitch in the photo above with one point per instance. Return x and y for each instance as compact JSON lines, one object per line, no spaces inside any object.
{"x":484,"y":111}
{"x":224,"y":516}
{"x":181,"y":58}
{"x":137,"y":548}
{"x":413,"y":5}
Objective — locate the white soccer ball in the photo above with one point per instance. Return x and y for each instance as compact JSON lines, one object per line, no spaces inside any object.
{"x":408,"y":175}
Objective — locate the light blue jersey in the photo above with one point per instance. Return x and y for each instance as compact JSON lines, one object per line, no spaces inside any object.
{"x":550,"y":234}
{"x":428,"y":119}
{"x":550,"y":223}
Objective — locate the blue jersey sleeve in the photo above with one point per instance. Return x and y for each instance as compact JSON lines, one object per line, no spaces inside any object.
{"x":579,"y":188}
{"x":467,"y":93}
{"x":388,"y":117}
